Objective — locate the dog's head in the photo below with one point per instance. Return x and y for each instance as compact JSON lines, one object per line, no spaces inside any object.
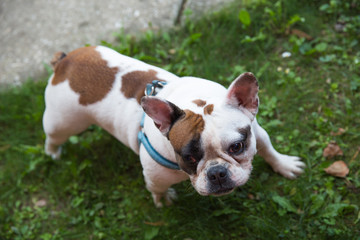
{"x":215,"y":148}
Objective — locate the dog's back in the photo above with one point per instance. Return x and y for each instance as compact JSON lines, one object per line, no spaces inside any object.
{"x":96,"y":85}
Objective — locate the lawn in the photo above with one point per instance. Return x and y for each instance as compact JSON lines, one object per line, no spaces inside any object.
{"x":308,"y":101}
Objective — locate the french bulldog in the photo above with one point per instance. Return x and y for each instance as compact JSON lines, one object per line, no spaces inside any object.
{"x":209,"y":131}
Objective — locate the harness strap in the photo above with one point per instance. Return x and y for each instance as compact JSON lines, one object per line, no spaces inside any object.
{"x":150,"y":90}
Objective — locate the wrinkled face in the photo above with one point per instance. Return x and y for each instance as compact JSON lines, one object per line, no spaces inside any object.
{"x":214,"y":143}
{"x":215,"y":148}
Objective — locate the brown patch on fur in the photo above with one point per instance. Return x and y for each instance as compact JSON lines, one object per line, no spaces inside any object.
{"x":88,"y":74}
{"x":134,"y":83}
{"x":186,"y":129}
{"x":209,"y":109}
{"x":199,"y":102}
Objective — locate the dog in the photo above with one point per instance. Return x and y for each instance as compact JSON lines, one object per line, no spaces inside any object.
{"x":209,"y":133}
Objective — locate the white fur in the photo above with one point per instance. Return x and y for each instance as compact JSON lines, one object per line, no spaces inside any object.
{"x":120,"y":116}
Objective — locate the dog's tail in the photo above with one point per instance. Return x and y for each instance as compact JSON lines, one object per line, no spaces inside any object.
{"x":57,"y":58}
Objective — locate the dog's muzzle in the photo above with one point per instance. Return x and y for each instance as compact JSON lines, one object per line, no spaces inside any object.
{"x":219,"y":181}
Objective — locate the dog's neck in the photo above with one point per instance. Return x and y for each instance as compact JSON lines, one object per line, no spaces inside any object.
{"x":199,"y":100}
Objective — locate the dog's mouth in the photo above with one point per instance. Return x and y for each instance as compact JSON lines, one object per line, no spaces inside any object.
{"x":217,"y":192}
{"x":222,"y":191}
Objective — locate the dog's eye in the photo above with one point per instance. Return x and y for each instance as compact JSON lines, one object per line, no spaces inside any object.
{"x":190,"y":159}
{"x":237,"y":148}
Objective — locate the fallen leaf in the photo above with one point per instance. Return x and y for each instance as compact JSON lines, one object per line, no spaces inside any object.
{"x":41,"y":203}
{"x":251,"y":196}
{"x":172,"y":51}
{"x":339,"y":132}
{"x":339,"y":27}
{"x":332,"y":150}
{"x":159,"y":223}
{"x":301,"y":34}
{"x":338,"y":169}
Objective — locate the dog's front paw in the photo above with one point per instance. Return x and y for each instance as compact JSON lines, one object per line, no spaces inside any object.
{"x":169,"y":196}
{"x":289,"y":166}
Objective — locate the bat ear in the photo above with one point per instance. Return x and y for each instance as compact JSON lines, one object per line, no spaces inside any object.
{"x":162,"y":112}
{"x":243,"y":93}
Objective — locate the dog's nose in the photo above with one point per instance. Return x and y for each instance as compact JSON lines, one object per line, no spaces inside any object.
{"x":217,"y":175}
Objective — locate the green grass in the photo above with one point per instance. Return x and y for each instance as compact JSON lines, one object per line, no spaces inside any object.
{"x":96,"y":191}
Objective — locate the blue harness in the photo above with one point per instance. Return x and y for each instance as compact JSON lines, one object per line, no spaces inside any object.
{"x":150,"y":90}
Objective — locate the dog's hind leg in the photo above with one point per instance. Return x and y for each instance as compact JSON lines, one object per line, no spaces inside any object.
{"x":288,"y":166}
{"x":59,"y":127}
